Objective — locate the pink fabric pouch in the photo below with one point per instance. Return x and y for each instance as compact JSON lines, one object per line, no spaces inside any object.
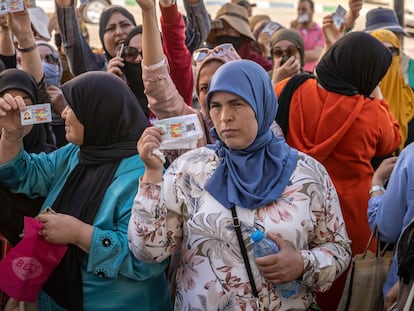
{"x":28,"y":265}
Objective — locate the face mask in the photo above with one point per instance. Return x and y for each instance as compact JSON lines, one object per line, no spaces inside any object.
{"x":236,"y":41}
{"x":52,"y":74}
{"x":133,"y":75}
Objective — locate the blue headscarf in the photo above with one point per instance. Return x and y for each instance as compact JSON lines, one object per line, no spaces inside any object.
{"x":257,"y":175}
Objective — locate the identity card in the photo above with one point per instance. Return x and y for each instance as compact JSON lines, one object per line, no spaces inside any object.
{"x":34,"y":114}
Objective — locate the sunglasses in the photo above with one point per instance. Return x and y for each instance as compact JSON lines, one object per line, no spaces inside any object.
{"x":51,"y":58}
{"x":130,"y":51}
{"x":291,"y":50}
{"x":220,"y":50}
{"x":394,"y":51}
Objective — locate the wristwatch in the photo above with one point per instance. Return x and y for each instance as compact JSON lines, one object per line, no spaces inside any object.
{"x":376,"y":188}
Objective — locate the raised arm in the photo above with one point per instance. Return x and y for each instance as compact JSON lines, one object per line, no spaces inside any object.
{"x":79,"y":53}
{"x":198,"y":24}
{"x":20,"y":26}
{"x":179,"y":57}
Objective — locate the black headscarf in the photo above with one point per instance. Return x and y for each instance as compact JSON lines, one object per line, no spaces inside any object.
{"x":104,"y":19}
{"x":15,"y":79}
{"x":113,"y":122}
{"x":39,"y":138}
{"x":133,"y":74}
{"x":355,"y":64}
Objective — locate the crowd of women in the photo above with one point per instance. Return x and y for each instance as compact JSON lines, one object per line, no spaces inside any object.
{"x":149,"y":233}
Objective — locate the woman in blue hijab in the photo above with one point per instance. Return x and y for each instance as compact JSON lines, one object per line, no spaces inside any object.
{"x":249,"y":174}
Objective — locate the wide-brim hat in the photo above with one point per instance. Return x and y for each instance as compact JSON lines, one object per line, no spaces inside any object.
{"x":40,"y":22}
{"x":383,"y":18}
{"x":236,"y":16}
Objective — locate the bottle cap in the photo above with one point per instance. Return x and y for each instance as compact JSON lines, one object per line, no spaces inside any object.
{"x":257,"y":235}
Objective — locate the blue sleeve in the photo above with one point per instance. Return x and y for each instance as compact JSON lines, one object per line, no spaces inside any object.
{"x":392,"y":211}
{"x":41,"y":174}
{"x":109,"y":254}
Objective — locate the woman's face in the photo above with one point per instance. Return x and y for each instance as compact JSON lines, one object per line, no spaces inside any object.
{"x":115,"y":33}
{"x":135,"y":42}
{"x":74,"y":129}
{"x":283,"y":50}
{"x":234,"y":120}
{"x":204,"y":78}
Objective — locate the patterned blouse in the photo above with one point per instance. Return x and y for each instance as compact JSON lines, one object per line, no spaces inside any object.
{"x":211,"y":274}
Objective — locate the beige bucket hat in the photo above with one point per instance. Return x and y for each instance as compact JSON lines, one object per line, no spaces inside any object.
{"x":236,"y":16}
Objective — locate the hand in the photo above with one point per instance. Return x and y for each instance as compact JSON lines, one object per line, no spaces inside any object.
{"x":146,"y":5}
{"x":115,"y":66}
{"x":355,"y":7}
{"x":64,"y":3}
{"x":283,"y":267}
{"x":331,"y":33}
{"x":263,"y":40}
{"x":291,"y":67}
{"x":21,"y":27}
{"x":383,"y":172}
{"x":150,"y":140}
{"x":10,"y":108}
{"x":165,"y":3}
{"x":392,"y":295}
{"x":57,"y":99}
{"x":59,"y":228}
{"x":3,"y":22}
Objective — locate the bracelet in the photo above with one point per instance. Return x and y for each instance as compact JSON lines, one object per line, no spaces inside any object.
{"x":26,"y":50}
{"x":376,"y":188}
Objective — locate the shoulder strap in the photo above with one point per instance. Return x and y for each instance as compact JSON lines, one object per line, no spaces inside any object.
{"x":282,"y":115}
{"x":236,"y":225}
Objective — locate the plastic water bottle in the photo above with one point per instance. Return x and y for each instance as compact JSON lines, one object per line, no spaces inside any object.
{"x":264,"y":246}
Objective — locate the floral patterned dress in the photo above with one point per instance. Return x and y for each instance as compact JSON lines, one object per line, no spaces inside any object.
{"x":211,"y":274}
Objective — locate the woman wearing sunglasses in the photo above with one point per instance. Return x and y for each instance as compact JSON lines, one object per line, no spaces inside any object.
{"x":288,"y":54}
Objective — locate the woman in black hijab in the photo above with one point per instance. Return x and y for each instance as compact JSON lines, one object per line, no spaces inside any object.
{"x":338,"y":119}
{"x":90,"y":183}
{"x":350,"y":67}
{"x":37,"y":139}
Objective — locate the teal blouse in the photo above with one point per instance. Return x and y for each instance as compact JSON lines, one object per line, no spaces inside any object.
{"x":113,"y":279}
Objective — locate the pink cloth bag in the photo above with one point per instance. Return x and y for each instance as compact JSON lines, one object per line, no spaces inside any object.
{"x":28,"y":265}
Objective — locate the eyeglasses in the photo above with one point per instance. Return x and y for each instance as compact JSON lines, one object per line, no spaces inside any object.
{"x":130,"y":51}
{"x":290,"y":50}
{"x":220,"y":50}
{"x":394,"y":51}
{"x":51,"y":58}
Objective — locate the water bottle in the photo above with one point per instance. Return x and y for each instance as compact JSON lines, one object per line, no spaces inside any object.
{"x":264,"y":246}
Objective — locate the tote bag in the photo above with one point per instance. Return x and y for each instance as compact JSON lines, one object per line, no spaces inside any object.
{"x":28,"y":265}
{"x":366,"y":276}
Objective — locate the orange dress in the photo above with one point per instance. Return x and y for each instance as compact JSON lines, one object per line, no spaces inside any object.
{"x":343,"y":133}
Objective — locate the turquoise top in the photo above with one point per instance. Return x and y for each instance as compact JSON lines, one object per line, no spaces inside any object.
{"x":113,"y":279}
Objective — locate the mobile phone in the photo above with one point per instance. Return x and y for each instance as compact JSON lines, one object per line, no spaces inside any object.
{"x":121,"y":50}
{"x":339,"y":16}
{"x":284,"y":59}
{"x":58,"y":40}
{"x":271,"y":28}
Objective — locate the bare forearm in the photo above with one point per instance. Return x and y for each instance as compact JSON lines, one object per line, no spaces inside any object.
{"x":151,"y":39}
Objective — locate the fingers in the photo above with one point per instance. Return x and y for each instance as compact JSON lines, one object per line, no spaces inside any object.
{"x":115,"y":66}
